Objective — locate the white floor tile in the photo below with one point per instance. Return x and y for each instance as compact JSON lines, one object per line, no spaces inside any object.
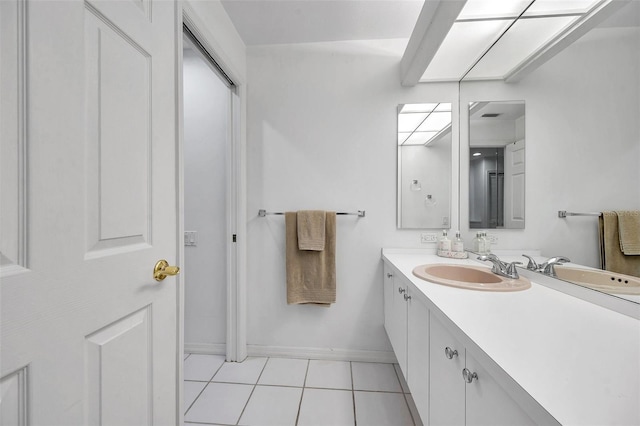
{"x":191,"y":391}
{"x":414,"y":410}
{"x":272,"y":406}
{"x":403,"y":383}
{"x":375,"y":377}
{"x":329,"y":374}
{"x":382,"y":409}
{"x":202,"y":367}
{"x":284,"y":372}
{"x":322,"y":407}
{"x":219,"y":403}
{"x":247,"y":371}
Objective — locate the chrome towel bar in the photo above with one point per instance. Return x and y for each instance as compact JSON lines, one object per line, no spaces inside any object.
{"x":564,"y":213}
{"x":359,"y":213}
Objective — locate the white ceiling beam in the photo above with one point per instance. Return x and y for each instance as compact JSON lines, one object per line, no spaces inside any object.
{"x":433,"y":25}
{"x":564,"y":40}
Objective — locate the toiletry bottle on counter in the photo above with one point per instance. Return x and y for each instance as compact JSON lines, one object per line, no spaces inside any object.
{"x":478,"y":243}
{"x":487,"y":242}
{"x":457,"y":245}
{"x":445,"y":243}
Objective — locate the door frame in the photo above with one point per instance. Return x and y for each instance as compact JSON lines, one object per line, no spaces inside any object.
{"x":236,"y":336}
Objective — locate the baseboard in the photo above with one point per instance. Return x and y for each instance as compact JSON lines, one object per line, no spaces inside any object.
{"x":386,"y":357}
{"x":205,"y":348}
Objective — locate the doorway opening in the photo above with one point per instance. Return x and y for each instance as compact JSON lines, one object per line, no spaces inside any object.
{"x":209,"y":108}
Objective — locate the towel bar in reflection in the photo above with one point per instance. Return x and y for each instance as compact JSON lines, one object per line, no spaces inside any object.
{"x":359,"y":213}
{"x":564,"y":214}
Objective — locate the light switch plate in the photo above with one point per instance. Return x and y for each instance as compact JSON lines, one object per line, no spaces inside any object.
{"x":190,"y":238}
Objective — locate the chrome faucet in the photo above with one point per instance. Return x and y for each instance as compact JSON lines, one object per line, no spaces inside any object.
{"x":548,"y":267}
{"x":501,"y":268}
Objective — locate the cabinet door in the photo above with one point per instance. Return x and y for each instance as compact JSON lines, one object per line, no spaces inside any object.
{"x":487,"y":403}
{"x":399,"y":341}
{"x":388,"y":299}
{"x":418,"y":354}
{"x":446,"y":395}
{"x":396,"y":316}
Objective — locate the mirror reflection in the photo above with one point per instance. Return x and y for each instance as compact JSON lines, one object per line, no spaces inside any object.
{"x":583,"y":146}
{"x":424,"y":165}
{"x":496,"y":165}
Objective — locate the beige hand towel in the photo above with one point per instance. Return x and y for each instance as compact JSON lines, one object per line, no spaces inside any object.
{"x":612,"y":257}
{"x":311,"y":275}
{"x":311,"y":230}
{"x":629,"y":230}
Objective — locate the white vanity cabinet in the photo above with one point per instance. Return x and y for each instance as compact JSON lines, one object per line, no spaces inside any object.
{"x":462,"y":391}
{"x":406,"y":320}
{"x":433,"y":353}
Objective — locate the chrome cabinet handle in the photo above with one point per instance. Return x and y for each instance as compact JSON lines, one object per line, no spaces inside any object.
{"x":468,"y":376}
{"x":401,"y":290}
{"x":389,"y":275}
{"x":450,"y":353}
{"x":407,"y":297}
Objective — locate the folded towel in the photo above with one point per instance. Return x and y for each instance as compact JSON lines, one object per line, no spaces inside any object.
{"x":629,"y":230}
{"x":311,"y":275}
{"x":311,"y":230}
{"x":612,"y":257}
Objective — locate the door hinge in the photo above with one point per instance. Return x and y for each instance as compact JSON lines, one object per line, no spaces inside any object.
{"x":234,"y":238}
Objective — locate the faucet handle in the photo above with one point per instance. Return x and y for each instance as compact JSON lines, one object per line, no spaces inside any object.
{"x":532,"y":265}
{"x":548,"y":268}
{"x":512,"y":271}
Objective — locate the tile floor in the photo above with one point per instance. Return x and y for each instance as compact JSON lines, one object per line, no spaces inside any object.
{"x":290,"y":392}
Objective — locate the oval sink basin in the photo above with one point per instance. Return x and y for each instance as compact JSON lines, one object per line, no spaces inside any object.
{"x":605,"y":281}
{"x":469,"y":277}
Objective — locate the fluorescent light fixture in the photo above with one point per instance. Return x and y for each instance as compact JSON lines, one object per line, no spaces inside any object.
{"x":522,"y":40}
{"x":422,"y":124}
{"x":435,"y":122}
{"x":410,"y":122}
{"x":490,"y":39}
{"x":549,"y":7}
{"x":483,"y":9}
{"x":419,"y":138}
{"x":463,"y":47}
{"x":477,"y":154}
{"x":409,"y":108}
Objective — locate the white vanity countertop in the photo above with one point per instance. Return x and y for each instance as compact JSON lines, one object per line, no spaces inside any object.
{"x":580,"y":361}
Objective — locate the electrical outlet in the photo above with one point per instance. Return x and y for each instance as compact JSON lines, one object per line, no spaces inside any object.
{"x":190,"y":238}
{"x":445,"y":220}
{"x":426,"y":238}
{"x":493,"y":238}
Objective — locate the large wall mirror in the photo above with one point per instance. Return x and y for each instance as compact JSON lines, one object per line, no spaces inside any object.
{"x":496,"y":165}
{"x":424,"y":165}
{"x":582,"y":144}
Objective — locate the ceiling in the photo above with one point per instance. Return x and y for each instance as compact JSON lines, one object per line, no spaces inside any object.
{"x":262,"y":22}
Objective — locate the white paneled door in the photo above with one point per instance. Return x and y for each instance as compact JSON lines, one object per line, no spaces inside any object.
{"x":514,"y":185}
{"x":89,"y":205}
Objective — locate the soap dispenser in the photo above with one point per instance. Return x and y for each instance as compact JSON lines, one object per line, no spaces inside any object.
{"x":487,"y":242}
{"x":445,"y":243}
{"x":478,"y":243}
{"x":457,"y":245}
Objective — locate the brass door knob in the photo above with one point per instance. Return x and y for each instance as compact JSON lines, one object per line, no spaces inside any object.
{"x":162,"y":270}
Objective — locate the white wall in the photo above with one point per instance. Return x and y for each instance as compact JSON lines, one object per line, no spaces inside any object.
{"x":322,"y":135}
{"x":206,"y":129}
{"x":582,"y":142}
